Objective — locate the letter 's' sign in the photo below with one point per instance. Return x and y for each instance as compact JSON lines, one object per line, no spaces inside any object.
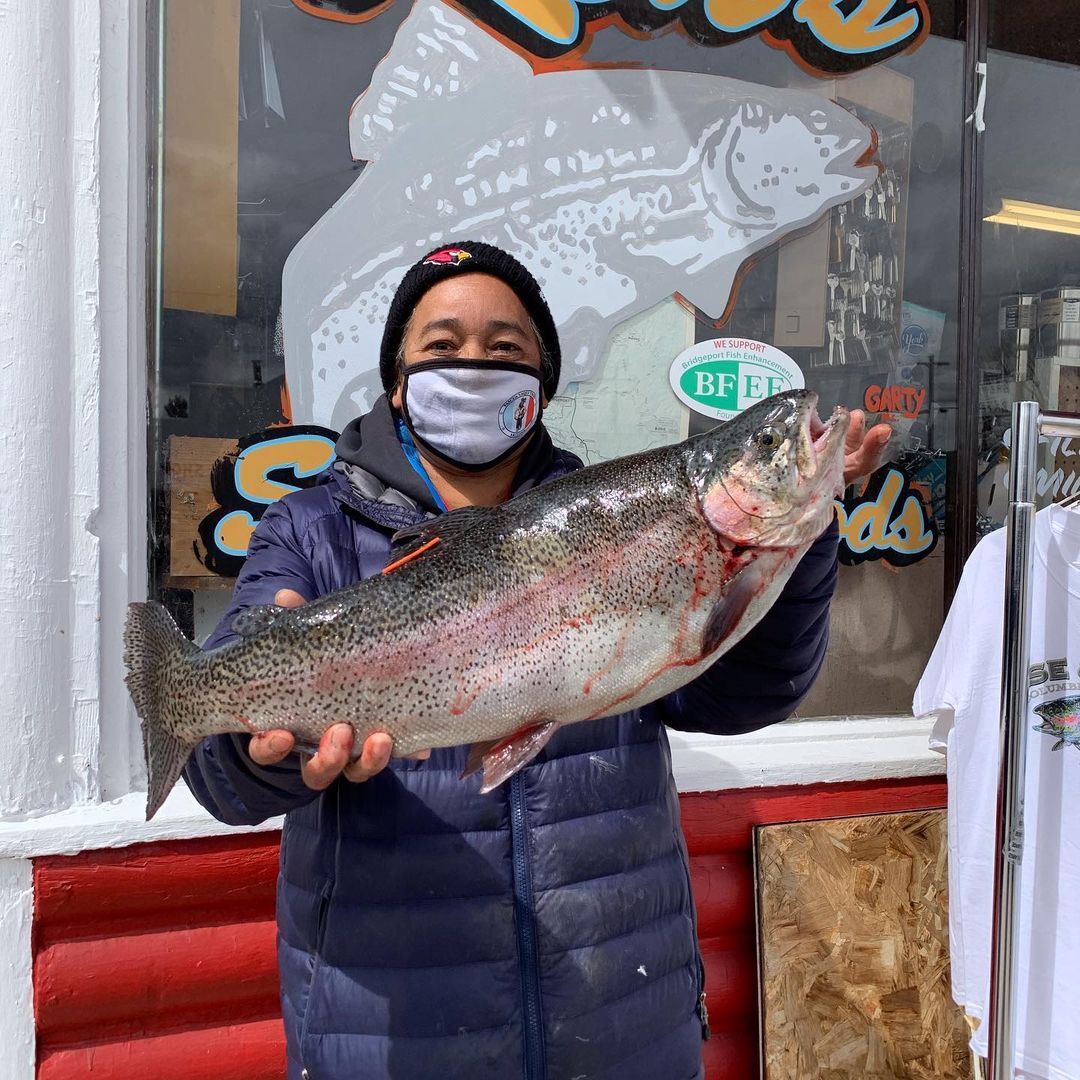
{"x":267,"y":465}
{"x":833,"y":36}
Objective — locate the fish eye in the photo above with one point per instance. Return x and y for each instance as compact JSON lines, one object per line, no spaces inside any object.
{"x":769,"y":438}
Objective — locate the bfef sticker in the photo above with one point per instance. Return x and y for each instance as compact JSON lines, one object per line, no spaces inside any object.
{"x":721,"y":377}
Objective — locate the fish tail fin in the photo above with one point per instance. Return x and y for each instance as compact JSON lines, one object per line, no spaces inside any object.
{"x":153,"y":644}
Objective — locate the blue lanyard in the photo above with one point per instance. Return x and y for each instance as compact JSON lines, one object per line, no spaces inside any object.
{"x":412,"y":455}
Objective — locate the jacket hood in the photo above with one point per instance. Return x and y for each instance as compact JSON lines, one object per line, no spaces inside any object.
{"x":370,"y":445}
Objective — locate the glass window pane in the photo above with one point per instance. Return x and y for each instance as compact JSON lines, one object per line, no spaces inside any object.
{"x":667,"y":195}
{"x":1029,"y":345}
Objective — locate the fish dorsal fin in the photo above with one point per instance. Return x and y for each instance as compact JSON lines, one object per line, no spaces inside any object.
{"x":256,"y":620}
{"x":411,"y":543}
{"x":438,"y":56}
{"x":446,"y":527}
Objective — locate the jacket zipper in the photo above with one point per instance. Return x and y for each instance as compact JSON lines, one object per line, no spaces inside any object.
{"x":702,"y":1009}
{"x":320,"y":935}
{"x":535,"y":1066}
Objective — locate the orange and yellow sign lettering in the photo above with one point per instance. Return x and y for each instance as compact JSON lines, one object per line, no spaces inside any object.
{"x":906,"y":401}
{"x":269,"y":465}
{"x":830,"y":36}
{"x":887,"y":521}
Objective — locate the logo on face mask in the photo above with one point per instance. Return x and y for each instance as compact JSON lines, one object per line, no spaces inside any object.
{"x":517,"y":413}
{"x":447,"y":257}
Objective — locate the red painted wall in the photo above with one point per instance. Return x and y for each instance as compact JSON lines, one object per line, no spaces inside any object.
{"x":157,"y":961}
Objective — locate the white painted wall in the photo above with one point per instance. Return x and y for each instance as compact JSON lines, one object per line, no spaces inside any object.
{"x":71,"y":389}
{"x":17,"y":1044}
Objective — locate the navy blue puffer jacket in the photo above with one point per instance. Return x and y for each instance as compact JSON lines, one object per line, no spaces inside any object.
{"x":544,"y":931}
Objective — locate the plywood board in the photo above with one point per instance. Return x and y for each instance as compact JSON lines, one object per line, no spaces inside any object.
{"x":202,"y":79}
{"x":191,"y":461}
{"x":853,"y":925}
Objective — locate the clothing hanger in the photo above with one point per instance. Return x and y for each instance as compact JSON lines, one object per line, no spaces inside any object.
{"x":1071,"y":501}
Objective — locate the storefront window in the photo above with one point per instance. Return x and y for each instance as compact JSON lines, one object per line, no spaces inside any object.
{"x":742,"y":185}
{"x":1029,"y":345}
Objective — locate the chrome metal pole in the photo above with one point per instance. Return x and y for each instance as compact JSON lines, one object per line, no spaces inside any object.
{"x":1014,"y":685}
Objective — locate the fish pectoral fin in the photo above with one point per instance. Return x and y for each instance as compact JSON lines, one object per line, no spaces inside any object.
{"x":729,"y":610}
{"x":504,"y":757}
{"x":255,"y":620}
{"x":1058,"y":745}
{"x":475,"y":761}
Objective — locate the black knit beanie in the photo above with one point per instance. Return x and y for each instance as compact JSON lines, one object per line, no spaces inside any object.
{"x":468,"y":257}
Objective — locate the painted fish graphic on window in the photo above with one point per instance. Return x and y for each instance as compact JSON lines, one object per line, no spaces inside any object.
{"x":616,"y":187}
{"x":1060,"y":718}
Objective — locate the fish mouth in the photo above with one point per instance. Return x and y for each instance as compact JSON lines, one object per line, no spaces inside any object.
{"x":819,"y":450}
{"x":787,"y":512}
{"x":819,"y":469}
{"x":858,"y":157}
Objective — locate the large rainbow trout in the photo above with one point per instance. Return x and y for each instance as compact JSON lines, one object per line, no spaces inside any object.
{"x":594,"y":594}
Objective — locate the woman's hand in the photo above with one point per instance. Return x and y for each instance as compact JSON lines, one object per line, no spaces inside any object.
{"x":863,"y":450}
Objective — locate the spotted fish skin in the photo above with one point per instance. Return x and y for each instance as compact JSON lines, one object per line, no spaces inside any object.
{"x":596,"y":593}
{"x":1060,"y":718}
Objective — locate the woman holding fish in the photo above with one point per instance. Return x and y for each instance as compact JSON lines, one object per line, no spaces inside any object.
{"x":534,"y":921}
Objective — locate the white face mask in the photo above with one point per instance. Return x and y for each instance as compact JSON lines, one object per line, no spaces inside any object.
{"x":472,"y":414}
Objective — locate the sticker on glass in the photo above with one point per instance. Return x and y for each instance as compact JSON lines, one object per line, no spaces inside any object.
{"x":721,"y":377}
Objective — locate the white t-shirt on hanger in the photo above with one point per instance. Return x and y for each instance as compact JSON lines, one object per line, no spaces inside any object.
{"x":962,"y":686}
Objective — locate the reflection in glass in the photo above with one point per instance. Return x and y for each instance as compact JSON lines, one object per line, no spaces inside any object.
{"x":1029,"y":345}
{"x":830,"y":232}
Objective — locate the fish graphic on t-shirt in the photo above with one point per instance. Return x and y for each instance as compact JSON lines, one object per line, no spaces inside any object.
{"x":616,"y":187}
{"x":1061,"y":718}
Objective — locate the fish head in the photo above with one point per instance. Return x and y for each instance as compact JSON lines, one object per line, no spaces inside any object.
{"x":768,"y":478}
{"x":1061,"y":717}
{"x":778,"y":165}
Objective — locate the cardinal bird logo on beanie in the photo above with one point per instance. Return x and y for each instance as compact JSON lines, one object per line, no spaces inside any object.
{"x":447,"y":257}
